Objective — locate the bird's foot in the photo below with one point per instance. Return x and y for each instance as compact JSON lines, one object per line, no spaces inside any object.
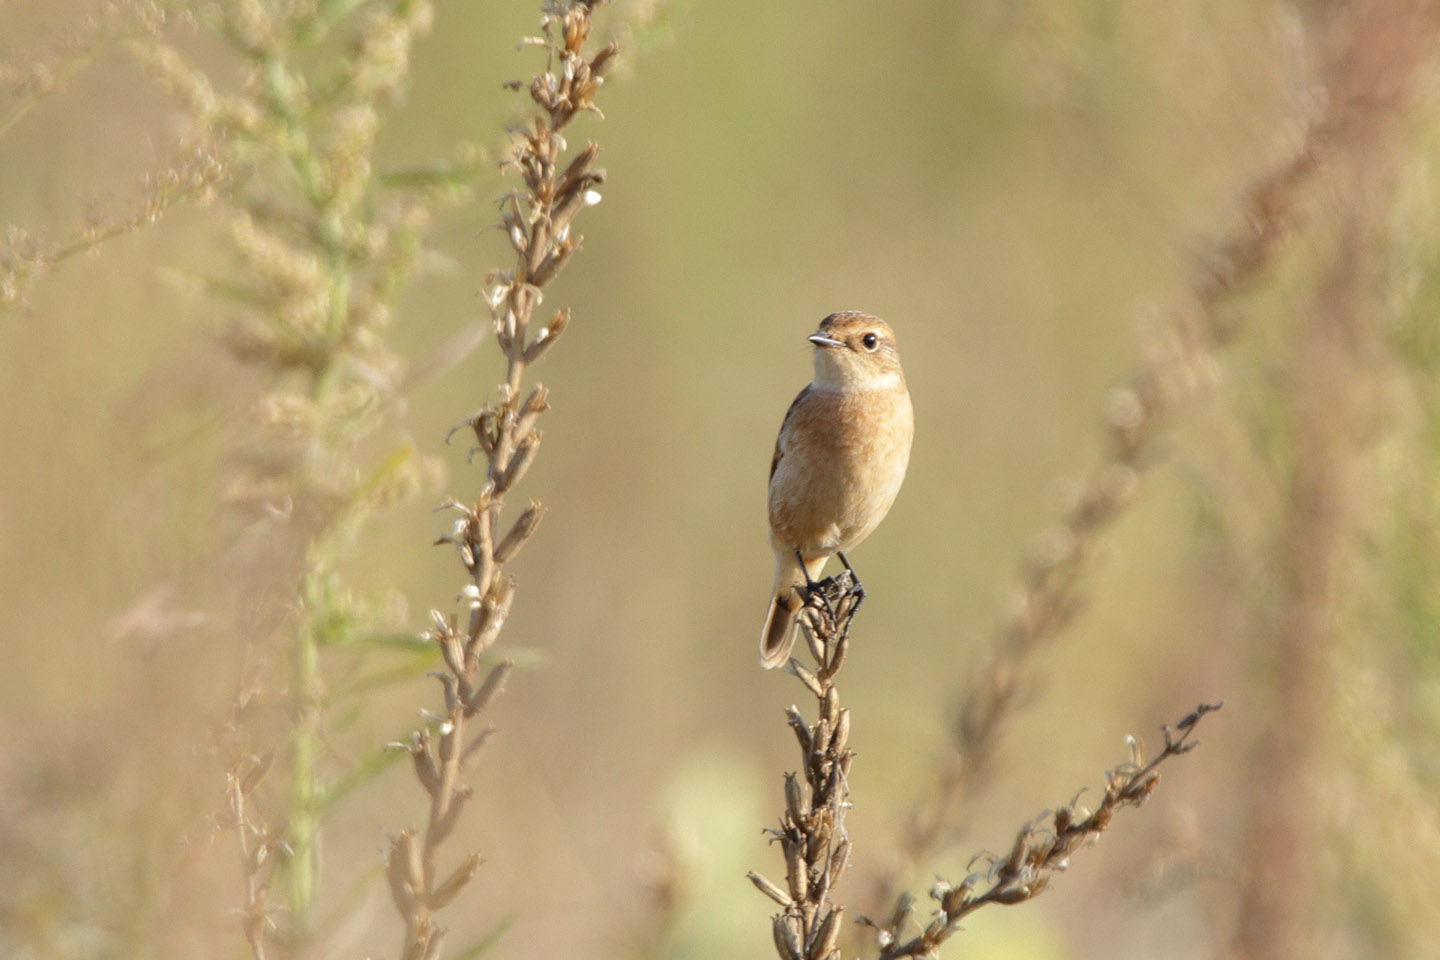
{"x":822,"y":594}
{"x":855,"y":588}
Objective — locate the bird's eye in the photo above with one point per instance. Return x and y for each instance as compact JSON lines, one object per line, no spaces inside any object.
{"x":870,"y":341}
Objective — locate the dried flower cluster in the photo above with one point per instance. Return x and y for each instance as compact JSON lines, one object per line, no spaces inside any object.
{"x":1042,"y":848}
{"x":537,"y":220}
{"x":812,"y":834}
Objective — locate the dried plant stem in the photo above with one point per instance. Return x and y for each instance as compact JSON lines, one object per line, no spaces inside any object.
{"x":253,"y":920}
{"x":537,"y":220}
{"x":1373,"y":61}
{"x":256,"y":844}
{"x":816,"y":847}
{"x":1173,"y":368}
{"x":193,"y":176}
{"x":812,"y":833}
{"x":51,"y":74}
{"x":1041,"y":849}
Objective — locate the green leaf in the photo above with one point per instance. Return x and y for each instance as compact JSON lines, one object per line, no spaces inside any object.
{"x":368,"y":769}
{"x":424,"y":178}
{"x":383,"y":474}
{"x":401,"y":642}
{"x":411,"y":668}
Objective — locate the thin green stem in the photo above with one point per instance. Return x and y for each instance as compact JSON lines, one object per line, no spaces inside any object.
{"x":303,"y":833}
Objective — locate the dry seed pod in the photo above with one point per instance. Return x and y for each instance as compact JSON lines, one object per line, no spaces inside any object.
{"x":769,"y":889}
{"x":842,"y":732}
{"x":468,"y":756}
{"x":453,"y":652}
{"x":798,"y":670}
{"x":453,"y":884}
{"x":602,"y":60}
{"x":493,"y":683}
{"x":787,"y":938}
{"x":424,"y":763}
{"x":802,"y":734}
{"x":519,"y":533}
{"x":524,"y":456}
{"x":577,"y":167}
{"x":396,"y":868}
{"x":819,"y":738}
{"x":550,"y":266}
{"x":840,"y":856}
{"x":827,"y":935}
{"x":795,"y":802}
{"x":795,"y":870}
{"x":495,"y":609}
{"x":904,"y":906}
{"x":534,"y":405}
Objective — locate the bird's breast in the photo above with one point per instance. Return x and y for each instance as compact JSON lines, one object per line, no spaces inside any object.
{"x":843,"y":458}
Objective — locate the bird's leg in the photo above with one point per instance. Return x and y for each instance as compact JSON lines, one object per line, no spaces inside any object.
{"x":810,"y":585}
{"x":857,"y":589}
{"x":813,"y":589}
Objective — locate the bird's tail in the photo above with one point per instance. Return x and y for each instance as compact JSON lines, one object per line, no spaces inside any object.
{"x":785,"y":602}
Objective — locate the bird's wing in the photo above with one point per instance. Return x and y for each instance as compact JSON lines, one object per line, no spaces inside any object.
{"x":780,"y":437}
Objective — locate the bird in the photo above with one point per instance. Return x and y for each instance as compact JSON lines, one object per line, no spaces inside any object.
{"x":839,"y":461}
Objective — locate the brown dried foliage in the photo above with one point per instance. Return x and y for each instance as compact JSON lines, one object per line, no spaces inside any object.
{"x":1041,"y":849}
{"x":812,"y":834}
{"x":258,"y":846}
{"x":537,"y":220}
{"x":816,"y":847}
{"x":1175,"y":366}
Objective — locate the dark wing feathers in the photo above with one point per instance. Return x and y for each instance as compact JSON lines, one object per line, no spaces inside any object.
{"x":775,"y":460}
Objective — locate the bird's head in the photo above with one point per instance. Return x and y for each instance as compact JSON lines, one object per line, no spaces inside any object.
{"x":854,"y":350}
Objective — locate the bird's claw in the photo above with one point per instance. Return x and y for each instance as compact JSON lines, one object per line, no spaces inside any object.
{"x":855,"y":588}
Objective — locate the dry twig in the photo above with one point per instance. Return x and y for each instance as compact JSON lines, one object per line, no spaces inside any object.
{"x":258,"y":846}
{"x":1176,"y":364}
{"x":812,"y":829}
{"x":1041,"y":849}
{"x":537,"y":220}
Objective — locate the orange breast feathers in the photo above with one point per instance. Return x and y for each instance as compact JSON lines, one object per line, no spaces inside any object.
{"x":842,"y":456}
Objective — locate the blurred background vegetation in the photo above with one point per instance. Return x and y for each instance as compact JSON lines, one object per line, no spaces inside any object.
{"x":1023,"y":190}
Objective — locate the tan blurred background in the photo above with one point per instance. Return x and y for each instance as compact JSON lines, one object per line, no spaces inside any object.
{"x":1020,"y":189}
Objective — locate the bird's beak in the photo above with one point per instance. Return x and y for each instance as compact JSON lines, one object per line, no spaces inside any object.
{"x":820,"y":340}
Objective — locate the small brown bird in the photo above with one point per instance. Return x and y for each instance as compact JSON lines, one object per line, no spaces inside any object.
{"x":839,"y":462}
